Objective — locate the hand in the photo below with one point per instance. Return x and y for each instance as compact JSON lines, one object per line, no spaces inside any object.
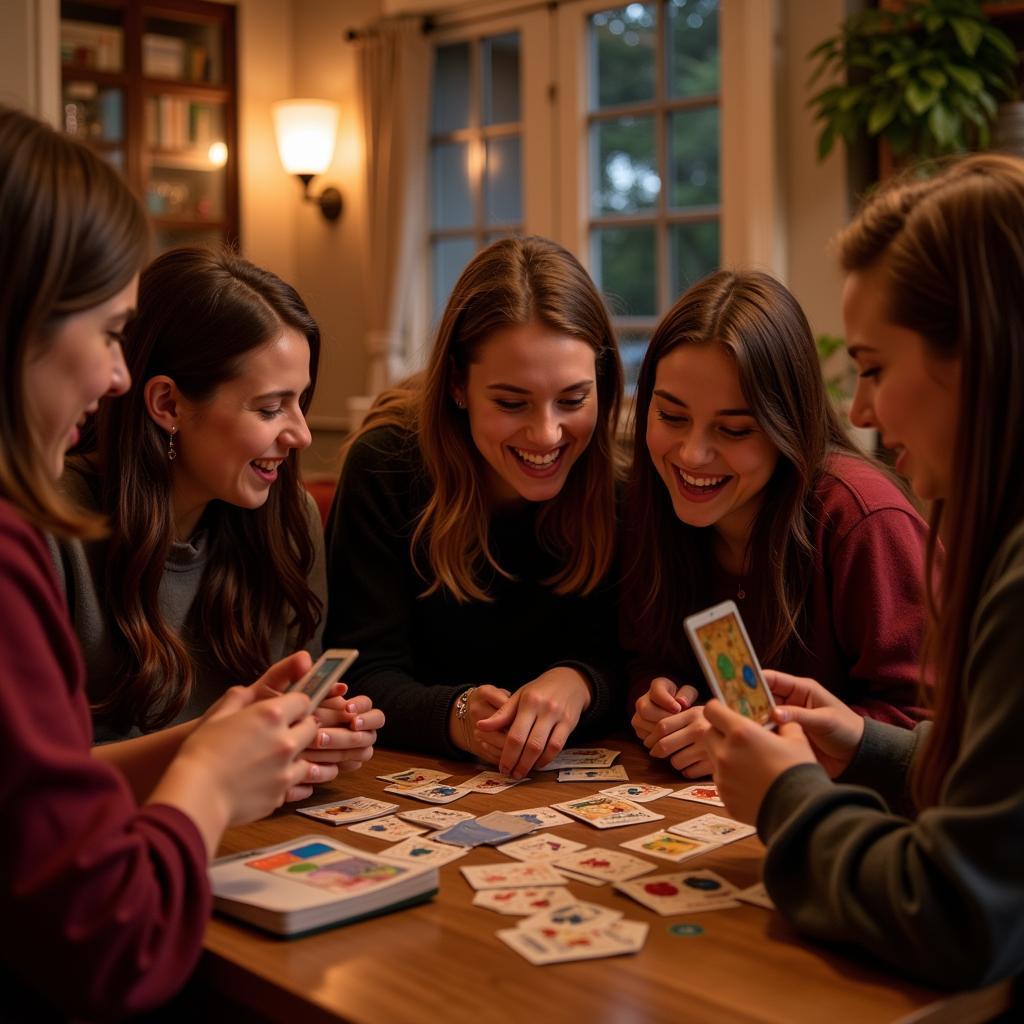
{"x":538,"y":718}
{"x":463,"y":732}
{"x":663,"y":698}
{"x":833,"y":730}
{"x":747,"y":758}
{"x":681,"y":738}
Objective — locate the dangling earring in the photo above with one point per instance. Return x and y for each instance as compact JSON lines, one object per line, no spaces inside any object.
{"x":460,"y":403}
{"x":171,"y":453}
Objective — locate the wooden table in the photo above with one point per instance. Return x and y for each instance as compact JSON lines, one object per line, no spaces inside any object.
{"x":442,"y":962}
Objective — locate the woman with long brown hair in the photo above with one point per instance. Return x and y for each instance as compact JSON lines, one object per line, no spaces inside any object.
{"x":214,"y":562}
{"x":745,"y":487}
{"x":103,"y":865}
{"x":915,"y":852}
{"x":472,"y":538}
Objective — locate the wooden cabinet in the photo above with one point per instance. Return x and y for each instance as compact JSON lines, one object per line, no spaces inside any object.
{"x":151,"y":85}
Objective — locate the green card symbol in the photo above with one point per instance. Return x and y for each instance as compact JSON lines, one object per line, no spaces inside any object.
{"x":726,"y":669}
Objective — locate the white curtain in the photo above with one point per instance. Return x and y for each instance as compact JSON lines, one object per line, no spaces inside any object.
{"x":394,"y":76}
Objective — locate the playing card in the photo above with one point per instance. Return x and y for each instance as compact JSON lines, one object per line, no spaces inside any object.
{"x":434,"y":793}
{"x":581,"y":757}
{"x":435,"y":817}
{"x":557,"y":945}
{"x":575,"y":913}
{"x":391,"y":829}
{"x":593,"y":774}
{"x":542,"y":846}
{"x":410,"y":777}
{"x":521,"y":902}
{"x":477,"y":832}
{"x":491,"y":782}
{"x":511,"y":824}
{"x":758,"y":895}
{"x":608,"y":865}
{"x":541,"y":817}
{"x":638,"y":792}
{"x":702,"y":793}
{"x":424,"y":851}
{"x":345,"y":812}
{"x":713,"y":828}
{"x":608,"y":812}
{"x":669,"y":847}
{"x":684,"y":892}
{"x":575,"y":876}
{"x":511,"y":876}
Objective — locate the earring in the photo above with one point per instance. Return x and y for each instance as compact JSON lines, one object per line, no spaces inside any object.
{"x":171,"y":453}
{"x":460,"y":403}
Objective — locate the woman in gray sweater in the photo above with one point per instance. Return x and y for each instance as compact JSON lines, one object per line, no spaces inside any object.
{"x":910,"y":845}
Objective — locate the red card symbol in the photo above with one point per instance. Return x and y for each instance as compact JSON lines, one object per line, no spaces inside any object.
{"x":541,"y":903}
{"x":504,"y":896}
{"x":707,"y":793}
{"x":661,"y":889}
{"x":596,"y":862}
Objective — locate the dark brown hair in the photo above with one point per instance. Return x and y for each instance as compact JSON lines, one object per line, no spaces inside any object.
{"x":951,"y":252}
{"x":764,"y":330}
{"x":200,"y":313}
{"x":73,"y":237}
{"x":514,"y":281}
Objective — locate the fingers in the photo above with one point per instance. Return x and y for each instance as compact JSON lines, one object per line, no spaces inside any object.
{"x":286,"y":671}
{"x":502,"y":718}
{"x":697,"y":770}
{"x":794,"y":690}
{"x":296,"y":793}
{"x":721,"y":718}
{"x":556,"y":742}
{"x":662,"y":692}
{"x":687,"y":695}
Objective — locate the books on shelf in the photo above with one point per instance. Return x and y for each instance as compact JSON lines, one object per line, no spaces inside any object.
{"x":84,"y":44}
{"x":314,"y":882}
{"x":174,"y":57}
{"x":176,"y":123}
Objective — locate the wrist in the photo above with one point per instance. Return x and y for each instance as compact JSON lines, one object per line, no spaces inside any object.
{"x":459,"y":725}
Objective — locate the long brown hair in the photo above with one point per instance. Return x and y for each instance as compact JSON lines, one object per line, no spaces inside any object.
{"x":73,"y":237}
{"x":951,"y":250}
{"x":514,"y":281}
{"x":199,"y":314}
{"x":764,"y":330}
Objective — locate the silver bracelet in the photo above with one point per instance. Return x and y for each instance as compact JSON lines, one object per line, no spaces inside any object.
{"x":462,"y":713}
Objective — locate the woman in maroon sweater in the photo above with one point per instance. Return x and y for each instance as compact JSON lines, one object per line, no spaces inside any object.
{"x":104,"y":894}
{"x":744,"y":487}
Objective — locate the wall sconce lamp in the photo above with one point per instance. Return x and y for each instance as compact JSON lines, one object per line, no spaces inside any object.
{"x":306,"y":131}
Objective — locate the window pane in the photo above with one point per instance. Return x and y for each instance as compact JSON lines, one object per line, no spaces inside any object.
{"x":451,"y":88}
{"x":624,"y":166}
{"x":693,"y":47}
{"x":501,"y":78}
{"x":693,"y":158}
{"x":632,"y":346}
{"x":453,"y":203}
{"x":502,"y":188}
{"x":694,"y":253}
{"x":450,"y":258}
{"x":626,"y":270}
{"x":622,"y":42}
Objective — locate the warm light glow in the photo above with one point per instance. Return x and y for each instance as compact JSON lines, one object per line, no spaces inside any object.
{"x":218,"y":154}
{"x":305,"y":134}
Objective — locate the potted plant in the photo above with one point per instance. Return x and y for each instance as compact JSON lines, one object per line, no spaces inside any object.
{"x":926,"y":77}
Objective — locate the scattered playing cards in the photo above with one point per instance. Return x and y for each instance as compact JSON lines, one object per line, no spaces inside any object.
{"x":557,"y":945}
{"x":541,"y":817}
{"x":410,"y":777}
{"x":581,"y":757}
{"x":607,"y":865}
{"x":511,"y":876}
{"x":434,"y":793}
{"x":684,"y":892}
{"x":593,"y":774}
{"x":345,"y":812}
{"x":521,"y":902}
{"x":668,"y":847}
{"x":543,"y":846}
{"x":638,"y":792}
{"x":391,"y":829}
{"x":435,"y":817}
{"x":713,"y":828}
{"x":491,"y":782}
{"x":702,"y":793}
{"x":424,"y":851}
{"x":490,"y":829}
{"x":608,"y":812}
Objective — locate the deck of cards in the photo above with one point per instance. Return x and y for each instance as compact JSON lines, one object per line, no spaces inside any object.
{"x":347,"y":812}
{"x":581,"y":757}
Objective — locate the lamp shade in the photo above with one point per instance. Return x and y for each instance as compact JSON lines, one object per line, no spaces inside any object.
{"x":306,"y":131}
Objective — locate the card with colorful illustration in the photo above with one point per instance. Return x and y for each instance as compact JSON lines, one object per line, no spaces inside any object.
{"x":521,"y":902}
{"x":608,"y":812}
{"x":669,"y":847}
{"x":435,"y":817}
{"x":581,"y":757}
{"x":608,"y":865}
{"x":542,"y":846}
{"x":413,"y":777}
{"x":713,"y":828}
{"x":541,"y":817}
{"x":613,"y":774}
{"x":758,"y":895}
{"x":341,"y":871}
{"x":572,"y":913}
{"x":346,"y":812}
{"x":424,"y":851}
{"x":434,"y":793}
{"x":638,"y":792}
{"x":701,"y":793}
{"x":391,"y":829}
{"x":480,"y":831}
{"x":511,"y":876}
{"x":491,"y":782}
{"x":544,"y":945}
{"x":684,"y":892}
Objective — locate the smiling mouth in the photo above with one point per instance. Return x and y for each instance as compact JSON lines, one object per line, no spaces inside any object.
{"x":538,"y":464}
{"x":266,"y":469}
{"x":699,"y":487}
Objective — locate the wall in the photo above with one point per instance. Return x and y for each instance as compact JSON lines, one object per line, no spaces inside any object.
{"x":29,"y":59}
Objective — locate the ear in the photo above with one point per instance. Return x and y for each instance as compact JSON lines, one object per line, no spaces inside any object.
{"x":162,"y":398}
{"x":457,"y":389}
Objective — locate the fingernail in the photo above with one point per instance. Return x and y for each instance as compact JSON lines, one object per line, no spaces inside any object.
{"x":322,"y":739}
{"x":358,"y":723}
{"x":314,"y":773}
{"x":351,"y":709}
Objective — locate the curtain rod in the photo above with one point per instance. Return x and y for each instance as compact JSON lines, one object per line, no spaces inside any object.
{"x":431,"y":23}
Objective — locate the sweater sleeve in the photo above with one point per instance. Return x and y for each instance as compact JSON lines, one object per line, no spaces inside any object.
{"x":940,"y":896}
{"x":115,"y":895}
{"x":373,"y":585}
{"x":879,"y":614}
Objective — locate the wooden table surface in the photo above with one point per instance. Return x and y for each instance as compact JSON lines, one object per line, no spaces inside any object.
{"x":442,"y":961}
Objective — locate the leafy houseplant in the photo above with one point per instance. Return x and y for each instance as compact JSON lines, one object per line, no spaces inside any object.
{"x":925,"y":77}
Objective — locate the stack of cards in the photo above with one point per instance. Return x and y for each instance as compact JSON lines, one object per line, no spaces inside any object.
{"x":617,"y":772}
{"x":409,"y":778}
{"x":491,"y":829}
{"x":345,"y":812}
{"x":713,"y":828}
{"x":604,"y":811}
{"x":685,"y":892}
{"x":581,"y":757}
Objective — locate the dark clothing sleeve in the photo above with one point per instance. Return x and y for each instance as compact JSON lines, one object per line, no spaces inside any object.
{"x":104,"y":903}
{"x":940,"y":894}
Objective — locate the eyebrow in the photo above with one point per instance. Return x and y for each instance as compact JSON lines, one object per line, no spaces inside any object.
{"x":579,"y":385}
{"x":669,"y":397}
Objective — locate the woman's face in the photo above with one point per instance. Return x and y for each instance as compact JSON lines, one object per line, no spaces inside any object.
{"x":72,"y":369}
{"x":531,"y":399}
{"x":231,"y":445}
{"x":908,"y":395}
{"x":704,"y":442}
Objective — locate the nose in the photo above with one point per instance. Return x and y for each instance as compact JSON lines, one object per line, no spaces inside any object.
{"x":120,"y":378}
{"x":695,"y":451}
{"x":296,"y":434}
{"x":862,"y":411}
{"x":544,"y":430}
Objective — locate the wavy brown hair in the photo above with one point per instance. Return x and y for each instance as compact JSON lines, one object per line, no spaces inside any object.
{"x":200,"y":313}
{"x":951,"y":250}
{"x":758,"y":322}
{"x":512,"y":282}
{"x":73,"y":237}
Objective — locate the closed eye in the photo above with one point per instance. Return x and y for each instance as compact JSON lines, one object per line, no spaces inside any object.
{"x":269,"y":414}
{"x":509,"y":404}
{"x":737,"y":432}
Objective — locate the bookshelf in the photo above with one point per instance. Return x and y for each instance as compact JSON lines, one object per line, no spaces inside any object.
{"x":151,"y":85}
